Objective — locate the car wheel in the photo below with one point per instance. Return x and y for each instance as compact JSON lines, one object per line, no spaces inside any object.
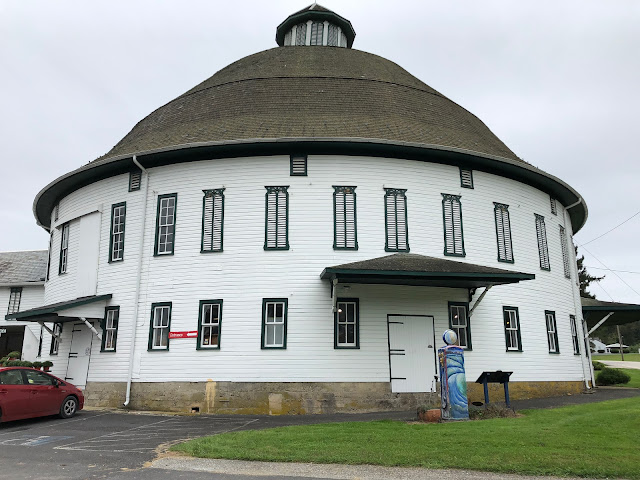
{"x":69,"y":407}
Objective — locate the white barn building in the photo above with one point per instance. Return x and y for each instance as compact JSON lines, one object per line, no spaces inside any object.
{"x":294,"y":234}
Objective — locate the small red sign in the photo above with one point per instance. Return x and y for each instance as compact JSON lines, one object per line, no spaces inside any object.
{"x":183,"y":334}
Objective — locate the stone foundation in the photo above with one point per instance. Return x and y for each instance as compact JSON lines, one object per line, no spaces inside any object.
{"x":274,"y":398}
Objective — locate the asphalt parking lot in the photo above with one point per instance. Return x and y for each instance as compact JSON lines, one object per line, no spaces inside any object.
{"x":120,"y":445}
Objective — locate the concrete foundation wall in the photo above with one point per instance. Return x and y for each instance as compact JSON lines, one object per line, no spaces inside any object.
{"x":272,"y":398}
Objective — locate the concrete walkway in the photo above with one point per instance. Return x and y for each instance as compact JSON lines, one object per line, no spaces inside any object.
{"x":621,"y":364}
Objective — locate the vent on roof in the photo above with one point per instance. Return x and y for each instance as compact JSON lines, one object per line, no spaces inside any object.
{"x":135,"y":180}
{"x":299,"y":165}
{"x":466,"y":178}
{"x":554,"y":206}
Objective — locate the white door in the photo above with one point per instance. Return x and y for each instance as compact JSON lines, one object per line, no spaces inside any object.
{"x":412,"y":356}
{"x":88,"y":249}
{"x":79,"y":355}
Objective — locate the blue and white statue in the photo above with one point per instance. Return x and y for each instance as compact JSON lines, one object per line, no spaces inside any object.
{"x":453,"y":381}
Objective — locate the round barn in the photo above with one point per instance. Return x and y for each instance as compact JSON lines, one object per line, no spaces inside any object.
{"x":294,"y":234}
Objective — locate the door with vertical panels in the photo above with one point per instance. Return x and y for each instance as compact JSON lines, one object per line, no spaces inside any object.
{"x":412,"y":358}
{"x":79,"y":355}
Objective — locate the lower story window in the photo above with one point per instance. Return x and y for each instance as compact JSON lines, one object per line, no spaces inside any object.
{"x":347,"y":323}
{"x":459,"y":323}
{"x":209,"y":324}
{"x":55,"y":338}
{"x":552,"y":331}
{"x":110,"y":329}
{"x":160,"y":324}
{"x":512,"y":329}
{"x":574,"y":335}
{"x":274,"y":323}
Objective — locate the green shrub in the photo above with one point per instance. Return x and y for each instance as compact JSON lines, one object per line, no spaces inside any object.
{"x":37,"y":364}
{"x":14,"y":354}
{"x":612,"y":376}
{"x":597,"y":365}
{"x":47,"y":364}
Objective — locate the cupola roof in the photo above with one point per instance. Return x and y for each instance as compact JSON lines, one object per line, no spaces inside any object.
{"x":315,"y":13}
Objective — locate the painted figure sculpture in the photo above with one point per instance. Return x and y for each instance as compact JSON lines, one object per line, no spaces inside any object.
{"x":453,"y":381}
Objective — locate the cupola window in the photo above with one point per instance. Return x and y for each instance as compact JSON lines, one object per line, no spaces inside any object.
{"x":301,"y":34}
{"x":317,"y":32}
{"x":332,"y":35}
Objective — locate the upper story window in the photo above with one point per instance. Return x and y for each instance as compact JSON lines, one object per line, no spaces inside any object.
{"x":116,"y":239}
{"x":301,"y":34}
{"x":276,"y":231}
{"x":565,"y":252}
{"x":554,"y":205}
{"x":166,"y":224}
{"x":135,"y":179}
{"x":395,"y":215}
{"x":452,"y":215}
{"x":49,"y":255}
{"x":212,"y":220}
{"x":317,"y":33}
{"x":64,"y":249}
{"x":503,"y":232}
{"x":14,"y":300}
{"x":110,"y":329}
{"x":345,"y":234}
{"x":298,"y":165}
{"x":466,"y":178}
{"x":543,"y":248}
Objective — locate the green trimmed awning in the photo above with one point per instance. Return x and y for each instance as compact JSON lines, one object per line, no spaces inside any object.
{"x":51,"y":313}
{"x":595,"y":310}
{"x":420,"y":270}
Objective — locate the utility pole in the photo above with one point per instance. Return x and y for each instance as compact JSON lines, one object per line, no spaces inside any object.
{"x":620,"y":342}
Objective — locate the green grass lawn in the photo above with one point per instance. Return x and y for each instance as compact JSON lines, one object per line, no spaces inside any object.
{"x":595,"y":440}
{"x":615,"y":357}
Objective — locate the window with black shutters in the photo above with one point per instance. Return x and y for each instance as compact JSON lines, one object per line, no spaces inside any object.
{"x":344,"y":218}
{"x":135,"y":179}
{"x":452,"y":215}
{"x":466,"y":178}
{"x":503,"y":232}
{"x":395,"y":213}
{"x":212,"y":220}
{"x":565,"y":252}
{"x":276,"y":230}
{"x":543,"y":248}
{"x":298,"y":165}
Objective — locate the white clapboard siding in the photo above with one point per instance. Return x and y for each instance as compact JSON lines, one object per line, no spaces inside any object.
{"x":244,"y":272}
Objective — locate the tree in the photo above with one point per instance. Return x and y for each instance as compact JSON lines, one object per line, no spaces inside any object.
{"x":584,"y":277}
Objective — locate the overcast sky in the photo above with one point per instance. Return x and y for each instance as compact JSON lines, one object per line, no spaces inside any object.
{"x":557,"y":81}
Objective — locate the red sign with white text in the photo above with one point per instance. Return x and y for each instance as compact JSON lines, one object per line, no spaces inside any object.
{"x":183,"y":334}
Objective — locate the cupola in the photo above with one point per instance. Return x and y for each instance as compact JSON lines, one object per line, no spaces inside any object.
{"x":315,"y":25}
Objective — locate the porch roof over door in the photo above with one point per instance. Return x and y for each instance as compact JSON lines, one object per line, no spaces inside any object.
{"x":67,"y":311}
{"x":421,"y":270}
{"x":595,"y":310}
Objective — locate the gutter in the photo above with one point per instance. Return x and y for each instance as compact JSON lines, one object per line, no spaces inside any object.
{"x":134,"y":323}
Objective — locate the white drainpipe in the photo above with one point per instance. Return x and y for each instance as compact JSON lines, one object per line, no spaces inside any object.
{"x":138,"y":279}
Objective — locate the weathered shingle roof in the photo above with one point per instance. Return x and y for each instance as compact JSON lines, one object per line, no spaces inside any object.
{"x":23,"y":268}
{"x":323,"y":92}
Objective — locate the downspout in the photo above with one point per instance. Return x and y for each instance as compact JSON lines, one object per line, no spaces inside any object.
{"x":134,"y":323}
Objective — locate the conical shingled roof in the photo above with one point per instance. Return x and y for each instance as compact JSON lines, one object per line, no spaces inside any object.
{"x":319,"y":92}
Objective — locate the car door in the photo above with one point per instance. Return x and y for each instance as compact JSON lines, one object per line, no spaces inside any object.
{"x":44,"y":394}
{"x":14,"y":395}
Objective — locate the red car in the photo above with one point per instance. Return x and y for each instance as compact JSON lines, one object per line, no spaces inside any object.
{"x":27,"y":393}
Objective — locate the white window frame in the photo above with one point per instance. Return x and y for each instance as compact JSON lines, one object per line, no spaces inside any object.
{"x":64,"y":249}
{"x":116,"y":239}
{"x":158,"y":328}
{"x":111,"y":320}
{"x":512,"y":331}
{"x":210,"y":321}
{"x":552,"y":331}
{"x":343,"y":307}
{"x":166,"y":224}
{"x":275,"y":324}
{"x":455,"y":309}
{"x":55,"y":339}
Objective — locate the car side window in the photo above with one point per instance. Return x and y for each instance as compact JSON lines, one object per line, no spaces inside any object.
{"x":11,"y":377}
{"x":37,"y":378}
